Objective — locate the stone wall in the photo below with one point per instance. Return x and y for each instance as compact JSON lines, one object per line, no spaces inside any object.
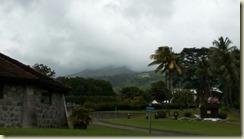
{"x":11,"y":106}
{"x":50,"y":115}
{"x":21,"y":107}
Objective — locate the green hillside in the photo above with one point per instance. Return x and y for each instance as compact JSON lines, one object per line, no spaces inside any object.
{"x":121,"y":77}
{"x":104,"y":71}
{"x":141,"y":80}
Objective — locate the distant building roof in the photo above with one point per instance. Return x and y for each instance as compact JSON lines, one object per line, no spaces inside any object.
{"x":154,"y":102}
{"x":12,"y":70}
{"x":194,"y":91}
{"x":215,"y":89}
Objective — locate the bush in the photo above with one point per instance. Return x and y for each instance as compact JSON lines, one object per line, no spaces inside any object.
{"x":161,"y":114}
{"x":90,"y":105}
{"x":80,"y":117}
{"x":172,"y":106}
{"x":138,"y":103}
{"x":156,"y":106}
{"x":225,"y":109}
{"x":176,"y":106}
{"x":222,"y":115}
{"x":105,"y":107}
{"x":187,"y":114}
{"x":236,"y":104}
{"x":93,"y":99}
{"x":123,"y":106}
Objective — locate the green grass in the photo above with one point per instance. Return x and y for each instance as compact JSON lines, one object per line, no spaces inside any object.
{"x":92,"y":130}
{"x":195,"y":127}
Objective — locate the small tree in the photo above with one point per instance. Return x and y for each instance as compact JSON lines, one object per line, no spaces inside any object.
{"x":130,"y":92}
{"x":183,"y":97}
{"x":80,"y":117}
{"x":159,"y":91}
{"x":138,"y":102}
{"x":44,"y":69}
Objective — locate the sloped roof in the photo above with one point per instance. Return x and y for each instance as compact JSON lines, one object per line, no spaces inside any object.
{"x":15,"y":71}
{"x":154,"y":102}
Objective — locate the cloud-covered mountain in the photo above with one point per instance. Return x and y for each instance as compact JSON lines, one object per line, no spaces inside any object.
{"x":121,"y":77}
{"x":105,"y":71}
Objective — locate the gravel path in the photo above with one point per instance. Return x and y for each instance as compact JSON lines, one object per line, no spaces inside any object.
{"x":153,"y":132}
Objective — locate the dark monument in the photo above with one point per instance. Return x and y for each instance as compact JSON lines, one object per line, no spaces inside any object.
{"x":210,"y":110}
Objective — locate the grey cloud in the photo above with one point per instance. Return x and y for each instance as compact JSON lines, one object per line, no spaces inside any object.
{"x":72,"y":35}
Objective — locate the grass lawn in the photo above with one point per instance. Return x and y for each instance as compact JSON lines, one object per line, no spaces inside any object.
{"x":206,"y":128}
{"x":196,"y":127}
{"x":91,"y":131}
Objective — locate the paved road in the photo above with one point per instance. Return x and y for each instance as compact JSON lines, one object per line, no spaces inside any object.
{"x":153,"y":132}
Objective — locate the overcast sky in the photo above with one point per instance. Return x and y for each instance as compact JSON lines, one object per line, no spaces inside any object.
{"x":73,"y":35}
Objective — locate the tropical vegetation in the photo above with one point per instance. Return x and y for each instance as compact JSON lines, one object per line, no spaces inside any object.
{"x":80,"y":117}
{"x":187,"y":80}
{"x":44,"y":69}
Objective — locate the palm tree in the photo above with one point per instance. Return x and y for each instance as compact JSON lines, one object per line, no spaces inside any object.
{"x":225,"y":65}
{"x":166,"y":60}
{"x":203,"y":75}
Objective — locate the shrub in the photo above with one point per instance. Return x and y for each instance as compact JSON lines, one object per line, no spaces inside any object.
{"x":236,"y":104}
{"x":222,"y":115}
{"x":123,"y":106}
{"x":105,"y":106}
{"x":187,"y":114}
{"x":156,"y":106}
{"x":94,"y":99}
{"x":80,"y":117}
{"x":90,"y":105}
{"x":161,"y":114}
{"x":138,"y":103}
{"x":225,"y":109}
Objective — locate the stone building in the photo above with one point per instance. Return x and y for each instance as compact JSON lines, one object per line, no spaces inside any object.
{"x":29,"y":99}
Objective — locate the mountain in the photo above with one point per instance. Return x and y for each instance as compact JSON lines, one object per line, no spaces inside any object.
{"x":106,"y":71}
{"x":142,"y":80}
{"x":121,"y":77}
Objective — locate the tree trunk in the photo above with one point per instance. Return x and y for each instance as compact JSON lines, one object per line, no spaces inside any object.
{"x":209,"y":88}
{"x":170,"y":79}
{"x":226,"y":97}
{"x":230,"y":97}
{"x":167,"y":94}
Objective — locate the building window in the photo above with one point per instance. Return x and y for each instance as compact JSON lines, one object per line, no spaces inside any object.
{"x":46,"y":97}
{"x":1,"y":91}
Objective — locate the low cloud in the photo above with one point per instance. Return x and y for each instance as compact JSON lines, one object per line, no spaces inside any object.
{"x":73,"y":35}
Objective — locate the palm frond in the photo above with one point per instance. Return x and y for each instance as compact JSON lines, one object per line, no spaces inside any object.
{"x":156,"y":62}
{"x":160,"y":67}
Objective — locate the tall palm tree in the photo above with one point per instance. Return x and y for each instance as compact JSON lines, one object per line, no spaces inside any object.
{"x":236,"y":87}
{"x":224,"y":64}
{"x":166,"y":60}
{"x":203,"y":75}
